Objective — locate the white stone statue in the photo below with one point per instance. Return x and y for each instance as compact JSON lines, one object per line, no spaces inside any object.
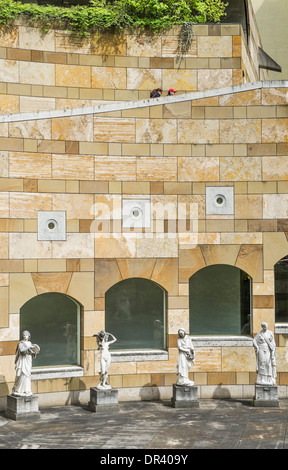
{"x":25,"y":351}
{"x":105,"y":358}
{"x":186,"y":357}
{"x":265,"y":349}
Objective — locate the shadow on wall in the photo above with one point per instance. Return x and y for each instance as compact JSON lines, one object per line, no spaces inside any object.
{"x":221,"y":392}
{"x":149,"y":392}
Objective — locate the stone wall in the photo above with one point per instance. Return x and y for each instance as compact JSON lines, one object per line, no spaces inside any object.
{"x":74,"y":153}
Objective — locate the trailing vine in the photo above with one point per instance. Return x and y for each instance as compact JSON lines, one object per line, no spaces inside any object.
{"x":113,"y":15}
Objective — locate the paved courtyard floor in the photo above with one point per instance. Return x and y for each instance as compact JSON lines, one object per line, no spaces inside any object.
{"x":150,"y":426}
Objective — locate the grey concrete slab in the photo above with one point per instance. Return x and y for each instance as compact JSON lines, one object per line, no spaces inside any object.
{"x":151,"y":426}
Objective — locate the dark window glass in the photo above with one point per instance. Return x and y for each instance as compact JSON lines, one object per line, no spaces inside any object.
{"x":53,"y":320}
{"x":219,"y":301}
{"x":135,"y":314}
{"x":281,"y":290}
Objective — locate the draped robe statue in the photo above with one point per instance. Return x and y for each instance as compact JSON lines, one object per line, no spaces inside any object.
{"x":25,"y":351}
{"x":265,"y":349}
{"x":186,"y":355}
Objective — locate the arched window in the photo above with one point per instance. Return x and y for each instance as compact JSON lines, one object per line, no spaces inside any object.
{"x":281,"y":290}
{"x":135,"y":314}
{"x":53,"y":320}
{"x":220,"y":301}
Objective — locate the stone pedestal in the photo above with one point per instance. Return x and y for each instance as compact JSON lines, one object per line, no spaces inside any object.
{"x":266,"y":395}
{"x":185,"y":397}
{"x":103,"y":400}
{"x":22,"y":408}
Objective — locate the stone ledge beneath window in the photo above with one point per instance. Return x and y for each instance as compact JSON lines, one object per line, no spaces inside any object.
{"x":57,"y":372}
{"x":134,"y":356}
{"x":209,"y":341}
{"x":281,"y":328}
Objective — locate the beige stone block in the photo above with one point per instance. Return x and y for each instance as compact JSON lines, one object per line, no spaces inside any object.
{"x":214,"y":78}
{"x":75,"y":128}
{"x":7,"y":369}
{"x":177,"y":110}
{"x":4,"y":204}
{"x":4,"y":164}
{"x":133,"y":268}
{"x":165,"y":273}
{"x":239,"y":130}
{"x":73,"y":167}
{"x":275,"y":247}
{"x":207,"y":359}
{"x":260,"y":315}
{"x":81,"y":288}
{"x":262,"y":187}
{"x":114,"y":130}
{"x":141,"y":187}
{"x":214,"y":46}
{"x":198,"y":131}
{"x":9,"y":104}
{"x":21,"y":290}
{"x":9,"y":37}
{"x":51,"y":186}
{"x":77,"y":206}
{"x":190,"y":261}
{"x":240,"y":169}
{"x":143,"y":45}
{"x":73,"y":75}
{"x":248,"y":206}
{"x":32,"y":38}
{"x":218,"y":254}
{"x":26,"y":246}
{"x":250,"y":260}
{"x":77,"y":45}
{"x":29,"y":104}
{"x":261,"y":111}
{"x":156,"y":169}
{"x":36,"y":73}
{"x":123,"y":368}
{"x":178,"y":318}
{"x":51,"y":282}
{"x":244,"y":98}
{"x":275,"y":206}
{"x":156,"y":245}
{"x":106,"y":275}
{"x":4,"y":279}
{"x":198,"y":169}
{"x":241,"y":238}
{"x":274,"y":130}
{"x":177,"y":150}
{"x":51,"y":265}
{"x":170,"y":47}
{"x":186,"y":80}
{"x":275,"y":168}
{"x":77,"y":245}
{"x":238,"y":358}
{"x":38,"y":129}
{"x":143,"y":79}
{"x":4,"y":305}
{"x":26,"y":205}
{"x":29,"y":165}
{"x":108,"y":77}
{"x":115,"y":245}
{"x":4,"y":250}
{"x":274,"y":96}
{"x":9,"y":71}
{"x":266,"y":287}
{"x":156,"y":131}
{"x":115,"y":168}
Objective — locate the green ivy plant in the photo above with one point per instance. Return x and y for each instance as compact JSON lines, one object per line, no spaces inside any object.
{"x":113,"y":15}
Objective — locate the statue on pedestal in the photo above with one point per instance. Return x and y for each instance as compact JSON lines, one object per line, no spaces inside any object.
{"x":23,"y":364}
{"x":186,"y":356}
{"x":105,"y":358}
{"x":265,"y":349}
